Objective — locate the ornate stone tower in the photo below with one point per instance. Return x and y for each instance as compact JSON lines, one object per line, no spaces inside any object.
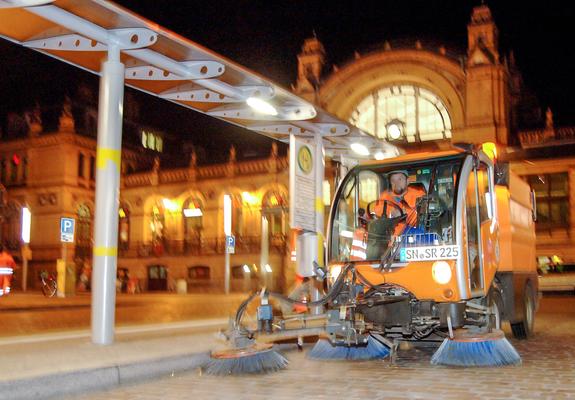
{"x":486,"y":97}
{"x":310,"y":64}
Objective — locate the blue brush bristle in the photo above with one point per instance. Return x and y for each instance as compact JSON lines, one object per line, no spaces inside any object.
{"x":488,"y":353}
{"x":324,"y":350}
{"x":257,"y":363}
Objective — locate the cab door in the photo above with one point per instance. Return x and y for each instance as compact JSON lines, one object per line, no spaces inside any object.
{"x":481,"y":228}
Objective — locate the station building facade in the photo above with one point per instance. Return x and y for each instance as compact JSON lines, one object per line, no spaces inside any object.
{"x":170,"y":219}
{"x":437,"y":97}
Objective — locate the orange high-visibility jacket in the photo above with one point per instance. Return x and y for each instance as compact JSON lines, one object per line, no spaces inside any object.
{"x":6,"y":260}
{"x":406,"y":202}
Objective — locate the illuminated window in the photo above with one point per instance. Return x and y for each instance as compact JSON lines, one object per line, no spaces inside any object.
{"x":83,"y":232}
{"x":200,"y":272}
{"x":124,"y":228}
{"x":192,"y":213}
{"x":14,"y":169}
{"x":152,"y":141}
{"x":274,"y":208}
{"x":423,"y":114}
{"x":157,"y":224}
{"x":552,"y":193}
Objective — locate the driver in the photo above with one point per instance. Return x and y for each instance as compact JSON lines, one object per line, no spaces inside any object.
{"x":402,"y":196}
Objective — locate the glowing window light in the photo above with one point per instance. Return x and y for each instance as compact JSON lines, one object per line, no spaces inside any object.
{"x":192,"y":212}
{"x":26,"y":222}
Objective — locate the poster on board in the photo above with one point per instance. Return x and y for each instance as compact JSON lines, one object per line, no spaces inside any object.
{"x":302,"y":184}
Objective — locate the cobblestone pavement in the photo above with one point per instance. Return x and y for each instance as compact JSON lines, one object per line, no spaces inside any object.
{"x":547,"y":372}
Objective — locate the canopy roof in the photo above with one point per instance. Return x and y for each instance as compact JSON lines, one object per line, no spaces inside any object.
{"x":167,"y":65}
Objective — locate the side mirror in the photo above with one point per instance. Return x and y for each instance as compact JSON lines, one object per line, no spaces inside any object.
{"x":319,"y":271}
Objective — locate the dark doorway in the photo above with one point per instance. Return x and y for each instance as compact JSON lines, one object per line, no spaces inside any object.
{"x":157,"y":277}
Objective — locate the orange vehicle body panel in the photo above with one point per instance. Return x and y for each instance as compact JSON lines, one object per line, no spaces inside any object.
{"x":415,"y":277}
{"x":516,"y":227}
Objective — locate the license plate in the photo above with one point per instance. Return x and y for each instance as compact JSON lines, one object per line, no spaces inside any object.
{"x":429,"y":253}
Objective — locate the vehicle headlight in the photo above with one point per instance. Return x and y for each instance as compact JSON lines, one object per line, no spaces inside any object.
{"x":441,"y":272}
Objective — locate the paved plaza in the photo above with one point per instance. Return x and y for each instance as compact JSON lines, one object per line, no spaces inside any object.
{"x":547,"y":372}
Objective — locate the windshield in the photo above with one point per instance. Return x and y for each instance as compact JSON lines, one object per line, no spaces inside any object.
{"x":412,"y":205}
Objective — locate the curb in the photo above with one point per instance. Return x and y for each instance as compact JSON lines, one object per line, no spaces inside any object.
{"x":66,"y":383}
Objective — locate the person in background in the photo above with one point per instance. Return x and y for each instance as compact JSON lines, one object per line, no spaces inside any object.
{"x":7,"y":266}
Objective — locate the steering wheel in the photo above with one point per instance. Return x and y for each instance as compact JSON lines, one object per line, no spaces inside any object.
{"x":390,"y":210}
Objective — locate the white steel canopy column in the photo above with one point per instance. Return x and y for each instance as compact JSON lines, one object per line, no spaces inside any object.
{"x":108,"y":159}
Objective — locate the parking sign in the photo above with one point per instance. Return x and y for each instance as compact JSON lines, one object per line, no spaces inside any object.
{"x":230,"y":244}
{"x":67,"y":230}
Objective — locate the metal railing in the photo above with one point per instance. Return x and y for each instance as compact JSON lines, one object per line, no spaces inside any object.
{"x":200,"y":247}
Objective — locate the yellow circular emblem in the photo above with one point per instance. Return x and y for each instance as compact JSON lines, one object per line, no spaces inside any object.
{"x":304,"y":159}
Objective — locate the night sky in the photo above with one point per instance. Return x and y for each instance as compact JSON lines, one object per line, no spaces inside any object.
{"x":267,"y":35}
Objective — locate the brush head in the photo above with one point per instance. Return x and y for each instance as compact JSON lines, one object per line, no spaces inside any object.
{"x":255,"y":359}
{"x":469,"y":349}
{"x":324,"y":350}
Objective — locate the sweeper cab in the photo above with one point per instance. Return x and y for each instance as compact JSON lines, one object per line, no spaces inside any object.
{"x":461,"y":255}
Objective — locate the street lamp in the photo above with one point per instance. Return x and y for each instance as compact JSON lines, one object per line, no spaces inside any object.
{"x":26,"y":223}
{"x":395,"y":129}
{"x":227,"y":232}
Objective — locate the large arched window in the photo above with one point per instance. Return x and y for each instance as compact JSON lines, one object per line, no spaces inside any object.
{"x":421,"y":113}
{"x":84,"y":233}
{"x":158,"y":224}
{"x":193,"y":217}
{"x":237,"y":215}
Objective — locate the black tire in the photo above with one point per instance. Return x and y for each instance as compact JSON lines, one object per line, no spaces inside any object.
{"x":524,"y":328}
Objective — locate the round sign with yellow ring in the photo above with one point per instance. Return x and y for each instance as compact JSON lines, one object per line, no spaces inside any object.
{"x":304,"y":159}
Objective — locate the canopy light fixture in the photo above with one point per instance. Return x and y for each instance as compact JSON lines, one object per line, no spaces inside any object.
{"x":261,"y":106}
{"x":380,"y":155}
{"x":359,"y":149}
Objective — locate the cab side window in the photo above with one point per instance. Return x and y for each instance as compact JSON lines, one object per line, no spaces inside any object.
{"x":485,"y":195}
{"x":345,"y":221}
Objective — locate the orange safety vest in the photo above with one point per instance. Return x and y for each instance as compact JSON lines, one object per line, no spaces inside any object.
{"x":6,"y":260}
{"x":406,"y":202}
{"x":359,"y":245}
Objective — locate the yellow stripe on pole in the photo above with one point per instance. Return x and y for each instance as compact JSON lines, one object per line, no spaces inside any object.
{"x":320,"y":260}
{"x":319,"y":204}
{"x":103,"y":155}
{"x":105,"y":251}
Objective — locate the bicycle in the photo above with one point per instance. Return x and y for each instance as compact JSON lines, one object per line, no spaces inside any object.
{"x":49,"y":284}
